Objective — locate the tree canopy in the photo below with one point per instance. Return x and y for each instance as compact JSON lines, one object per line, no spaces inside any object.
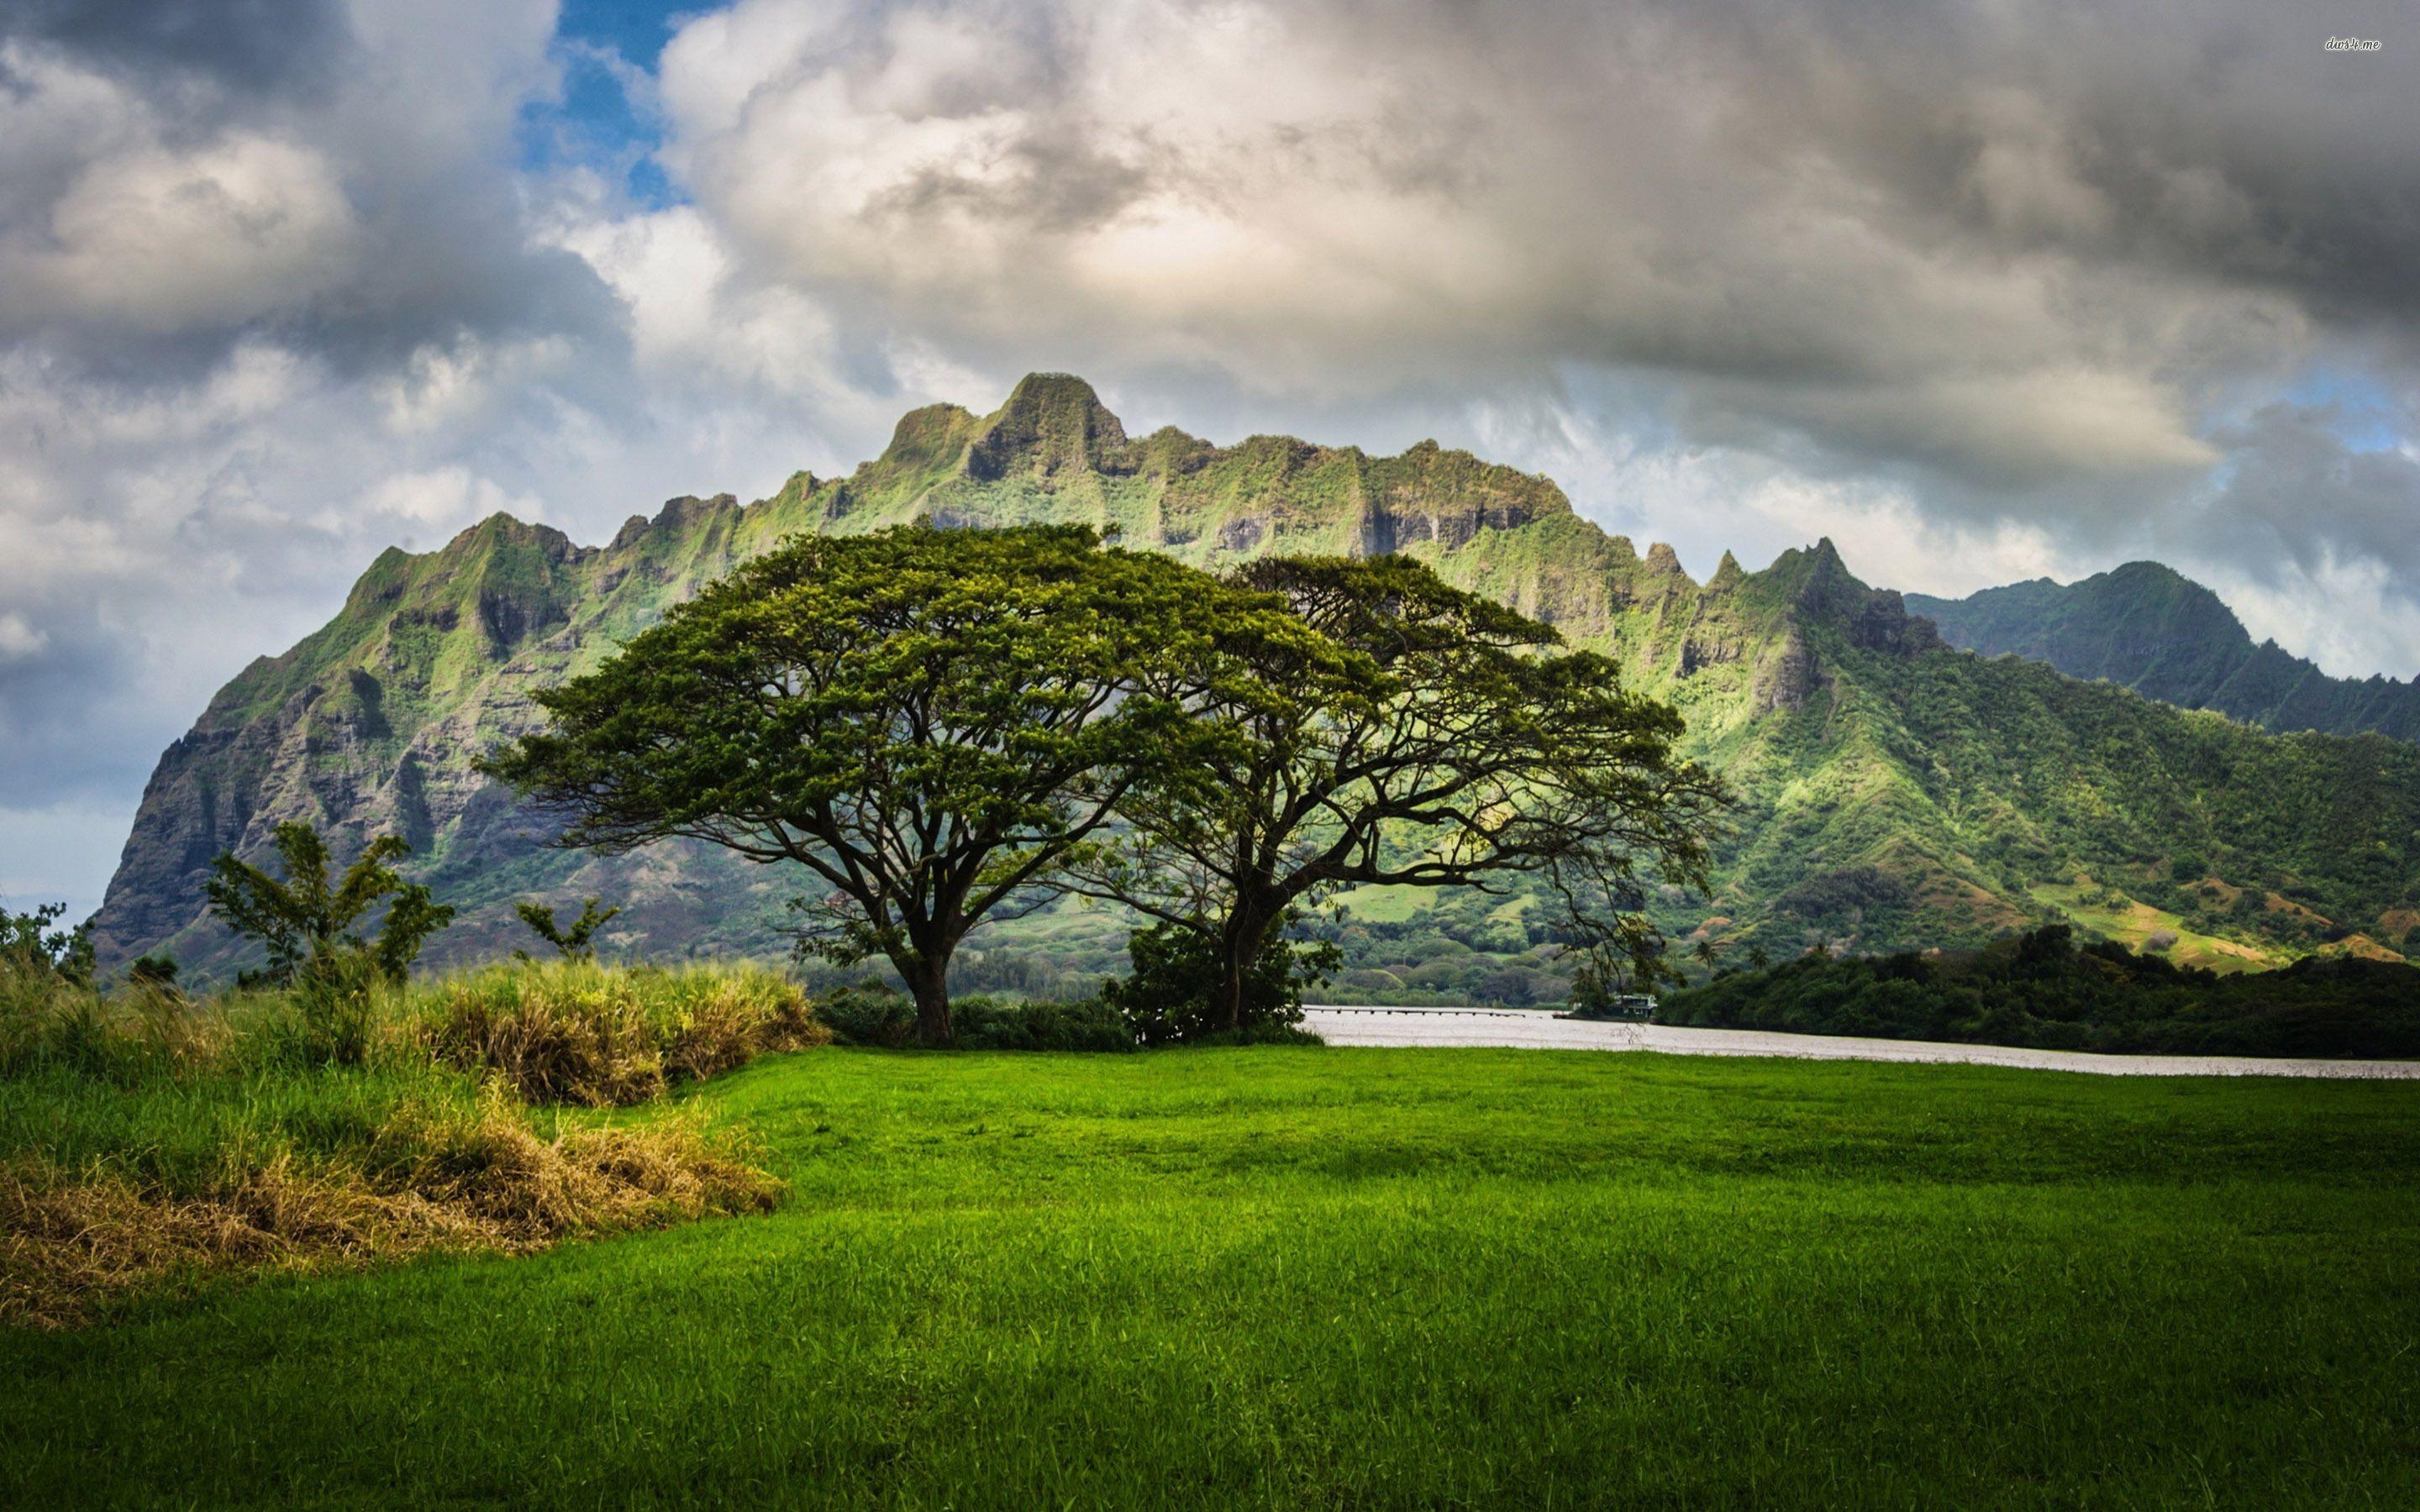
{"x":1427,"y":737}
{"x":930,"y":722}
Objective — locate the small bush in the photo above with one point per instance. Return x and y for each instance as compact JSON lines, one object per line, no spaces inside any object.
{"x":986,"y":1023}
{"x":572,"y":1031}
{"x":1265,"y":1032}
{"x":335,"y":1005}
{"x":868,"y":1014}
{"x":1173,"y":994}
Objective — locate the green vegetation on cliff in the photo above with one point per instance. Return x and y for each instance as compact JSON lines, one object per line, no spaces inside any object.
{"x":1894,"y":792}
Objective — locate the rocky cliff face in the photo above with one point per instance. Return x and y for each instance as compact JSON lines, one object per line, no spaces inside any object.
{"x":2147,"y":628}
{"x":1860,"y":743}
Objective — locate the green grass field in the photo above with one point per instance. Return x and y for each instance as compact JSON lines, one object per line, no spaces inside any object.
{"x":1291,"y":1277}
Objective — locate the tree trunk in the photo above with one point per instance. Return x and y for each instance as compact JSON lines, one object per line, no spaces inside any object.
{"x":1247,"y":931}
{"x":929,"y":980}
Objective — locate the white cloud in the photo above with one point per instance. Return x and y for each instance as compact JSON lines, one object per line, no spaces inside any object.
{"x":440,"y":500}
{"x":19,"y":640}
{"x":160,"y":240}
{"x":2351,"y":617}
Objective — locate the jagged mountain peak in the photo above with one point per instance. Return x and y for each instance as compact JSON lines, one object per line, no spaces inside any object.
{"x":1053,"y":422}
{"x":935,"y":434}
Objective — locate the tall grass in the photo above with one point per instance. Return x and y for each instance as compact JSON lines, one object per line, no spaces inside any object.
{"x":146,"y":1134}
{"x":572,"y":1031}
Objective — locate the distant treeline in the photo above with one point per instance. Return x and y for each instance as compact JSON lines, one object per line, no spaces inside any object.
{"x":2042,"y":990}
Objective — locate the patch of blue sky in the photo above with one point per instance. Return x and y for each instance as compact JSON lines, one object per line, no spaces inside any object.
{"x":604,"y":118}
{"x":2363,"y":413}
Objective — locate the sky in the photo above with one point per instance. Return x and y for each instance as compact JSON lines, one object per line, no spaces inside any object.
{"x":1984,"y":292}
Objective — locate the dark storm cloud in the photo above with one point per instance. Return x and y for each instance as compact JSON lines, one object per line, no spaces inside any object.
{"x":2302,"y":494}
{"x":251,"y":46}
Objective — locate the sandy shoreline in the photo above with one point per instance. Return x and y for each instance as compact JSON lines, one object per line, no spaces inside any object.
{"x":1537,"y":1029}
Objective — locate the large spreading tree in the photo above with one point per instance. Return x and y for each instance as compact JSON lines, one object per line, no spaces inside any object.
{"x":928,"y":721}
{"x":1429,"y":737}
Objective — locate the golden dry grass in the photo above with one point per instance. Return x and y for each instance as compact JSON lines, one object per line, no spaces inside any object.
{"x":435,"y":1180}
{"x":607,"y":1037}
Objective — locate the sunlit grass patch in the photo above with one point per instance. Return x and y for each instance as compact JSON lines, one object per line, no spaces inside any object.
{"x":608,"y":1036}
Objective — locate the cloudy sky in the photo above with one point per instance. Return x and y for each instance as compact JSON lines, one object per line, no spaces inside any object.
{"x":1985,"y":292}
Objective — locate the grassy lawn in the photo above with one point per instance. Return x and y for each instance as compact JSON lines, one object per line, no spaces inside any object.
{"x":1288,"y":1278}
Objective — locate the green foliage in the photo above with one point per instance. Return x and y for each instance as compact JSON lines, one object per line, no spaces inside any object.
{"x":1178,"y":992}
{"x":338,"y":997}
{"x":1091,"y":1025}
{"x":306,"y":924}
{"x":868,"y":1014}
{"x":927,"y":721}
{"x":154,"y":970}
{"x":28,"y":941}
{"x":575,"y":941}
{"x":2041,"y":990}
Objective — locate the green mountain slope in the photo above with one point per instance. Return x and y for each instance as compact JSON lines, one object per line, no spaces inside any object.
{"x":1894,"y":792}
{"x":2150,"y":628}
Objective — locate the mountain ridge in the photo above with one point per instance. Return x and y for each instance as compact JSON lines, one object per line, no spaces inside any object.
{"x":2146,"y":626}
{"x":1873,"y":814}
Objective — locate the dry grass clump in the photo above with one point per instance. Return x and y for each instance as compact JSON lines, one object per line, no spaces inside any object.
{"x":435,"y":1179}
{"x":604,"y":1036}
{"x":148,"y":1136}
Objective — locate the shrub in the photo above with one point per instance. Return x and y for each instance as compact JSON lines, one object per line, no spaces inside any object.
{"x":28,"y":941}
{"x":304,"y":919}
{"x":575,"y":941}
{"x":335,"y":1005}
{"x":868,"y":1014}
{"x":572,"y":1031}
{"x":986,"y":1023}
{"x":1172,"y":994}
{"x":1265,"y":1032}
